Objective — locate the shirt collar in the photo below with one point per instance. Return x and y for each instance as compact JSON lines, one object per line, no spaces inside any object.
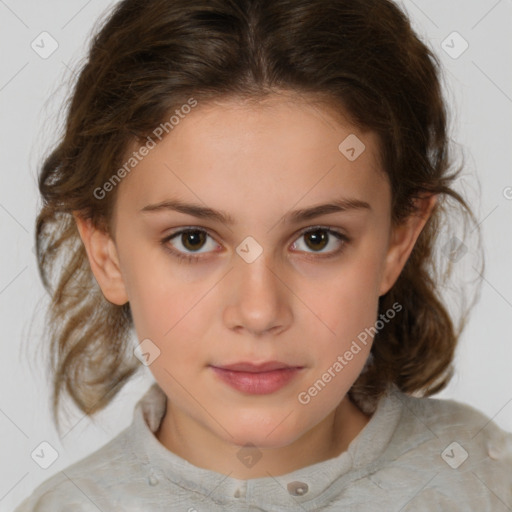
{"x":317,"y":483}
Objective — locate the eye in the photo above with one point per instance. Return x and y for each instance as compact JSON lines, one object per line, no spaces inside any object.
{"x":187,"y":244}
{"x":318,"y":238}
{"x":191,"y":239}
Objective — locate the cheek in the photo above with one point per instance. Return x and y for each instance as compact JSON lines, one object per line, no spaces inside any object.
{"x":159,"y":298}
{"x":347,"y":304}
{"x":348,"y":310}
{"x":347,"y":299}
{"x":170,"y":311}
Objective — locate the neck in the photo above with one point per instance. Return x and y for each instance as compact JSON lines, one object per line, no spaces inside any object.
{"x":202,"y":448}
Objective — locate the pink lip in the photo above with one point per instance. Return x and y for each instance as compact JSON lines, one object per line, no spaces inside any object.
{"x":257,"y":379}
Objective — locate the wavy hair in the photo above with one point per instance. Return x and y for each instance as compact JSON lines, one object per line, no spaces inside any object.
{"x":359,"y":57}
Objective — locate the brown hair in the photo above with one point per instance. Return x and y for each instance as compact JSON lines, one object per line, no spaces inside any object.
{"x":361,"y":57}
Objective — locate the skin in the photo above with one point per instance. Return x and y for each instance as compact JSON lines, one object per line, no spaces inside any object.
{"x":291,"y":304}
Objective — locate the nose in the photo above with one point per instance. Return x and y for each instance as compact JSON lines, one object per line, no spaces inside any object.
{"x":259,"y":301}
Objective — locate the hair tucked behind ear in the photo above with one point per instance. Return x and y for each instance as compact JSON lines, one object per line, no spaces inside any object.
{"x":358,"y":57}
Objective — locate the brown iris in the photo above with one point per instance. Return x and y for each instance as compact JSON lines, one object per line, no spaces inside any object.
{"x":317,"y":237}
{"x":196,"y":239}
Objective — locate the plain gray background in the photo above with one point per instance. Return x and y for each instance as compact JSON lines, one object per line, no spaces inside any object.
{"x":32,"y":88}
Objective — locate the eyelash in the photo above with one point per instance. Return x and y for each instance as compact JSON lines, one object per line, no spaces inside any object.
{"x":189,"y":258}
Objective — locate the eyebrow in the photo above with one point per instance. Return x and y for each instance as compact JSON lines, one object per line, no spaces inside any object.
{"x":294,"y":217}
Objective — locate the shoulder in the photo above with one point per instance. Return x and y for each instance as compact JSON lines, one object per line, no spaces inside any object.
{"x":448,"y":419}
{"x":83,"y":486}
{"x":116,"y":477}
{"x":58,"y":494}
{"x":459,"y":455}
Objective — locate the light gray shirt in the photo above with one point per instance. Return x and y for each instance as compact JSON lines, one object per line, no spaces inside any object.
{"x":414,"y":455}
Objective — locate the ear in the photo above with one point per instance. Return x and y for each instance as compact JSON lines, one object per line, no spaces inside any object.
{"x":402,"y":239}
{"x":103,"y":259}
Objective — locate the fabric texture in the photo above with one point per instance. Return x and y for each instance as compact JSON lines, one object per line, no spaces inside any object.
{"x":415,"y":454}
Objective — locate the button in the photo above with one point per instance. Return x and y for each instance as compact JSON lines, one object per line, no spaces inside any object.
{"x":297,"y":488}
{"x":240,"y":492}
{"x":152,"y":479}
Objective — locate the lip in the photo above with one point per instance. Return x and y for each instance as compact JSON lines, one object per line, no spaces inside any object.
{"x":257,"y":379}
{"x":267,"y":366}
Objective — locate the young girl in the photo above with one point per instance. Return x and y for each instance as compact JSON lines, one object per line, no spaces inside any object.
{"x":256,"y":189}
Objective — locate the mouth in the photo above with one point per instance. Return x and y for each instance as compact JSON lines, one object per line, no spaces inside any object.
{"x":257,"y":379}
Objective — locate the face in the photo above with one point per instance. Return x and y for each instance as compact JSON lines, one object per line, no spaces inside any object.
{"x":228,"y":255}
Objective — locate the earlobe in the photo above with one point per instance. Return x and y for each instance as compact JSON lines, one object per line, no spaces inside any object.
{"x":103,"y":259}
{"x":402,"y":240}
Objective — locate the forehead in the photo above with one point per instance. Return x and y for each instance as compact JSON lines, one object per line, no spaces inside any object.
{"x":280,"y":127}
{"x":280,"y":151}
